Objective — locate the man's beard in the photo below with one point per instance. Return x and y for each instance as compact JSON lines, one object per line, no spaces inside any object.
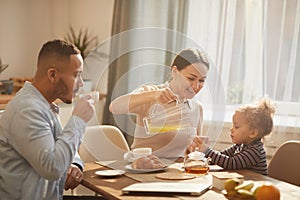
{"x":62,"y":92}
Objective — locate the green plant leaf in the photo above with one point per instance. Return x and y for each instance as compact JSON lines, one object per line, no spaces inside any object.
{"x":3,"y":67}
{"x":83,"y":41}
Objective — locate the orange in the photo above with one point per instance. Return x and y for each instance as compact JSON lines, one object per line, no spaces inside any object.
{"x":267,"y":191}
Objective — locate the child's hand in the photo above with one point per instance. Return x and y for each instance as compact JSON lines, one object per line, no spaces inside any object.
{"x":198,"y":142}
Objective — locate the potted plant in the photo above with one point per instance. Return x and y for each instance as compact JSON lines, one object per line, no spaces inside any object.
{"x":82,"y":40}
{"x":6,"y":86}
{"x":2,"y":66}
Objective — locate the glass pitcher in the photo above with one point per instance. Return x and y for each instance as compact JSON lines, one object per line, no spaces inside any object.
{"x":170,"y":119}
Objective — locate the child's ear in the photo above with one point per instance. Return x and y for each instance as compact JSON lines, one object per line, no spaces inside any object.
{"x":254,"y":133}
{"x":174,"y":69}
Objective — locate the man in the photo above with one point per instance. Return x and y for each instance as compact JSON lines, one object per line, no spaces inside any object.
{"x":38,"y":157}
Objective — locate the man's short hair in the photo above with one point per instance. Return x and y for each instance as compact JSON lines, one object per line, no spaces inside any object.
{"x":59,"y":48}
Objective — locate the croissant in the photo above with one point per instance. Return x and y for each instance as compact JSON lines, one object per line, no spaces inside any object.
{"x":147,"y":162}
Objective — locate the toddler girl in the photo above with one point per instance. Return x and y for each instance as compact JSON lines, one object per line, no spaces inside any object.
{"x":250,"y":124}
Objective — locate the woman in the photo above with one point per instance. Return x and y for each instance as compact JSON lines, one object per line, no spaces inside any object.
{"x":189,"y":70}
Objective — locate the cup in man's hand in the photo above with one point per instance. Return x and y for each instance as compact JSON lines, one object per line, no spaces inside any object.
{"x":94,"y":94}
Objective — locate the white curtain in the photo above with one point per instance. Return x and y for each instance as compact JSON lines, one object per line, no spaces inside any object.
{"x":255,"y":46}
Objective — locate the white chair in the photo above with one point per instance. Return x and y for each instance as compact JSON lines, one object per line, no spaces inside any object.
{"x":285,"y":163}
{"x":103,"y":142}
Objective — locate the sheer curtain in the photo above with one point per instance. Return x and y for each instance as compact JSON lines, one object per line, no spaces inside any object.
{"x":254,"y":44}
{"x":256,"y":49}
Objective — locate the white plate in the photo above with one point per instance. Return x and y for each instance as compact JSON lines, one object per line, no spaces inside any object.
{"x":129,"y":168}
{"x":113,"y":172}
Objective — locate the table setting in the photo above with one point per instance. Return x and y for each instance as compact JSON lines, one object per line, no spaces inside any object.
{"x":116,"y":186}
{"x":165,"y":179}
{"x":121,"y":179}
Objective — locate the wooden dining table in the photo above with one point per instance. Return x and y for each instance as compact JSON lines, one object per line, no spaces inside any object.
{"x":111,"y":187}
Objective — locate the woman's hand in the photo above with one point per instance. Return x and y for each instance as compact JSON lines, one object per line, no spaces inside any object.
{"x":165,"y":95}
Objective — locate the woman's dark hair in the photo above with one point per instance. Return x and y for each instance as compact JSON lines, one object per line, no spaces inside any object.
{"x":189,"y":56}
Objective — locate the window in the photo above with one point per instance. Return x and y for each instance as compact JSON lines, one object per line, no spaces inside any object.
{"x":255,"y":47}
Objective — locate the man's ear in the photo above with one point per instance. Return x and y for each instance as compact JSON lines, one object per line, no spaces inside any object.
{"x":52,"y":72}
{"x":254,"y":133}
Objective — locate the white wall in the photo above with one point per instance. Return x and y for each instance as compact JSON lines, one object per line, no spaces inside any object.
{"x":26,"y":25}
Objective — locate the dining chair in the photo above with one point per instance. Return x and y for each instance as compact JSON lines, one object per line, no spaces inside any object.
{"x":100,"y":142}
{"x":285,"y":163}
{"x":103,"y":142}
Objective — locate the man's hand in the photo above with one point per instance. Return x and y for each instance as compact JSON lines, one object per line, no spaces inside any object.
{"x":74,"y":177}
{"x":84,"y":108}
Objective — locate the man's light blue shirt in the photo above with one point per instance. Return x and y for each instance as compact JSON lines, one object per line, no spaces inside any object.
{"x":35,"y":151}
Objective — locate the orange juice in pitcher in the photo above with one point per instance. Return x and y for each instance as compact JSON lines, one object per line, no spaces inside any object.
{"x":168,"y":119}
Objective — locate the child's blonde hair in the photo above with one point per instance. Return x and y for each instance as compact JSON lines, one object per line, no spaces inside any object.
{"x":260,"y":116}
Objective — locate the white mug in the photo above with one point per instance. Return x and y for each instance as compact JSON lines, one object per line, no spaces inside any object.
{"x":137,"y":153}
{"x":95,"y":95}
